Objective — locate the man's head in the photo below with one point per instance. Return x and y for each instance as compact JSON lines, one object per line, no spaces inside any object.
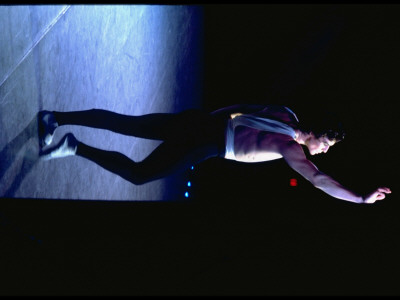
{"x":325,"y":131}
{"x":319,"y":144}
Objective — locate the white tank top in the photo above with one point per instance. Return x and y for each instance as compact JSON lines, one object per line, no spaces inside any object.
{"x":256,"y":123}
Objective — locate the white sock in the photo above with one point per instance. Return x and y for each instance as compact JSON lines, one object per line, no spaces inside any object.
{"x":66,"y":147}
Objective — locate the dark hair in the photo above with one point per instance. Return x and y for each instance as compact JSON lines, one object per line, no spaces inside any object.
{"x":324,"y":124}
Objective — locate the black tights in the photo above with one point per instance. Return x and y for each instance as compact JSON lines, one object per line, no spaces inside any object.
{"x":189,"y":138}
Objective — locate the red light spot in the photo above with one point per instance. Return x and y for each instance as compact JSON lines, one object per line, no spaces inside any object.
{"x":293,"y":182}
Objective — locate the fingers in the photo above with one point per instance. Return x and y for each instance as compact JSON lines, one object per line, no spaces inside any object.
{"x":384,"y":190}
{"x":380,"y":196}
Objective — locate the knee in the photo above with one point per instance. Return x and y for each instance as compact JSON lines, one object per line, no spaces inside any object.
{"x":138,"y":176}
{"x":138,"y":180}
{"x":97,"y":110}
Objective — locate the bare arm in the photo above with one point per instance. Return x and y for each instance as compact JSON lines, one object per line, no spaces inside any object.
{"x":296,"y":159}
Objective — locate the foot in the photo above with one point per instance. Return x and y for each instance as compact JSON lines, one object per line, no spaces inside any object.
{"x":66,"y":147}
{"x":47,"y":126}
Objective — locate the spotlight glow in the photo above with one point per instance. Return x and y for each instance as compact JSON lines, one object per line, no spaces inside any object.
{"x":189,"y":183}
{"x":186,"y":194}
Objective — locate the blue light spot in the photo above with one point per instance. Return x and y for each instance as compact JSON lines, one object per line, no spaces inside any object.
{"x":186,"y":194}
{"x":189,"y":183}
{"x":192,"y":167}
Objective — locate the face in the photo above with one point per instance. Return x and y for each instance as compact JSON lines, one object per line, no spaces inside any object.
{"x":318,"y":145}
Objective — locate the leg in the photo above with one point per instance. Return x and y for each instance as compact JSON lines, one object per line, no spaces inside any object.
{"x":164,"y":160}
{"x":204,"y":140}
{"x":157,"y":126}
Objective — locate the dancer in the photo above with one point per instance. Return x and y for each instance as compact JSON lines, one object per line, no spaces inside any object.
{"x":245,"y":133}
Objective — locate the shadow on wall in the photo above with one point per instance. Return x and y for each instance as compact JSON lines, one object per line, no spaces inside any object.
{"x":18,"y":157}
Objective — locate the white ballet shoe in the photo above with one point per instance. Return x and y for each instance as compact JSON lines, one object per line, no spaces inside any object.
{"x":66,"y":147}
{"x":47,"y":126}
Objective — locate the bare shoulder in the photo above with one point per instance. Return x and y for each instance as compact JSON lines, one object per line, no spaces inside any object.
{"x":291,"y":150}
{"x":294,"y":155}
{"x":278,"y":113}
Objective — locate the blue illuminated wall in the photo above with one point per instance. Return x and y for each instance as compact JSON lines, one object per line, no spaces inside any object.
{"x":130,"y":59}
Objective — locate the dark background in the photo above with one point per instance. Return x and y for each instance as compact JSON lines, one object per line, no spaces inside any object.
{"x":246,"y":231}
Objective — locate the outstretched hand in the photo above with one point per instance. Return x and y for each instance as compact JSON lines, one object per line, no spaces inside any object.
{"x":378,"y":194}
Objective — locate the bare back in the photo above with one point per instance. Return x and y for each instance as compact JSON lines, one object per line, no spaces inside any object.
{"x":253,"y":145}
